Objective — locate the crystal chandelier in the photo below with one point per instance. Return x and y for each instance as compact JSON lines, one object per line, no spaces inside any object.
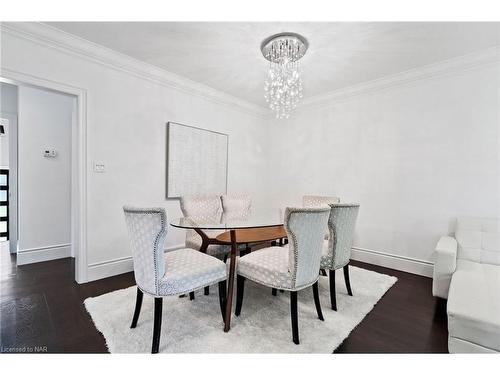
{"x":283,"y":86}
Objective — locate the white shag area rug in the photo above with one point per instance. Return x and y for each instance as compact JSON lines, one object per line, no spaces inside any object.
{"x":263,"y":327}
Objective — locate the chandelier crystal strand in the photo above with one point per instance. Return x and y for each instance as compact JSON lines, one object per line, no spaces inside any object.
{"x":283,"y":86}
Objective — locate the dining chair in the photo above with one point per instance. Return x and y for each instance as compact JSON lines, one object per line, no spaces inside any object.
{"x":160,"y":274}
{"x":318,"y":200}
{"x":290,"y":268}
{"x":236,"y":206}
{"x":204,"y":208}
{"x":337,"y":248}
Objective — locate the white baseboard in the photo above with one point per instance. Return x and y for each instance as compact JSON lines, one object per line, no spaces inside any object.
{"x":396,"y":262}
{"x":42,"y":254}
{"x":113,"y":267}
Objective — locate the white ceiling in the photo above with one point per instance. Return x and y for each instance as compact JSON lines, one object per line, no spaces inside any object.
{"x":227,"y":57}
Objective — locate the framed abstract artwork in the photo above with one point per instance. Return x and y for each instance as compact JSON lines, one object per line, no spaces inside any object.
{"x":197,"y":161}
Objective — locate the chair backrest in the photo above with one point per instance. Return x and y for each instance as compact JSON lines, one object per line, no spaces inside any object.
{"x":147,"y":232}
{"x":478,"y":239}
{"x":236,"y":206}
{"x":207,"y":207}
{"x":304,"y":227}
{"x":203,"y":208}
{"x":341,"y":224}
{"x":318,"y":200}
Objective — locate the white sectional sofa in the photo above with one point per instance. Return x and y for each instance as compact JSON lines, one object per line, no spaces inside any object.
{"x":467,"y":273}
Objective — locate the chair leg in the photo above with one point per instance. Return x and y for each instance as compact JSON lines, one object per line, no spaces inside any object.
{"x":333,"y":297}
{"x":316,"y":301}
{"x":248,"y":249}
{"x":295,"y":320}
{"x":240,"y":288}
{"x":137,"y":311}
{"x":157,"y":325}
{"x":245,"y":251}
{"x":206,"y":291}
{"x":222,"y":299}
{"x":225,"y":258}
{"x":274,"y":291}
{"x":322,"y":272}
{"x":191,"y":296}
{"x":347,"y":281}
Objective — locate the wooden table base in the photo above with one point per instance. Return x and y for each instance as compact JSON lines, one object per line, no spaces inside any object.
{"x":232,"y":269}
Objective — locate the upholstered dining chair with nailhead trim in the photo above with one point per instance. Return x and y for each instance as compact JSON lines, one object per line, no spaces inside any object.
{"x":204,"y":208}
{"x":237,"y":206}
{"x":160,"y":274}
{"x":290,"y":268}
{"x":318,"y":200}
{"x":337,"y":248}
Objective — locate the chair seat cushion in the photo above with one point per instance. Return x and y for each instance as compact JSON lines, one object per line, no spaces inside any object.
{"x":218,"y":251}
{"x":474,"y":304}
{"x":187,"y":270}
{"x":267,"y":266}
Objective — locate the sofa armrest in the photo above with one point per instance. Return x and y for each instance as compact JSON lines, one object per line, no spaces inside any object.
{"x":444,"y":265}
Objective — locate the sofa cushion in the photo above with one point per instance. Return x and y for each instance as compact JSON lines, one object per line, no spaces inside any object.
{"x":478,"y":239}
{"x":474,"y":304}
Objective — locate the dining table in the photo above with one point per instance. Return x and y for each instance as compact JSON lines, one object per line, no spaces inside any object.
{"x":254,"y":228}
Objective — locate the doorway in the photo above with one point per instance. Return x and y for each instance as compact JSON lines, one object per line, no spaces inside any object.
{"x":41,"y":135}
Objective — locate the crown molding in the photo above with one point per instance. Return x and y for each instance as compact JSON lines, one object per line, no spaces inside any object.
{"x":452,"y":66}
{"x":62,"y":41}
{"x":68,"y":43}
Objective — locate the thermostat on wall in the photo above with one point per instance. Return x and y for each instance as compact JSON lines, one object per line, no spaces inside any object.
{"x":50,"y":153}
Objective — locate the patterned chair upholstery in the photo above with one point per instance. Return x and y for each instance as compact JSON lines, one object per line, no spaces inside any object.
{"x":337,"y":249}
{"x":204,"y":208}
{"x":236,"y":206}
{"x":176,"y":272}
{"x":319,"y":201}
{"x":289,"y":268}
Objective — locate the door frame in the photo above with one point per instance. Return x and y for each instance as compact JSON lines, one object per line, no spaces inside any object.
{"x":78,"y":165}
{"x":12,"y":214}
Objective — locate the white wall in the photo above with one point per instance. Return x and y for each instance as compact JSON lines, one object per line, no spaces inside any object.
{"x":126,"y":129}
{"x":415,"y":156}
{"x":44,"y":208}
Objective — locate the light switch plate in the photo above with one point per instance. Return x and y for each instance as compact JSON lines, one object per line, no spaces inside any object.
{"x":99,"y":167}
{"x":50,"y":153}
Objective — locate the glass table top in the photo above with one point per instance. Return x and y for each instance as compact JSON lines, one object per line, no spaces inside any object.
{"x":226,"y":222}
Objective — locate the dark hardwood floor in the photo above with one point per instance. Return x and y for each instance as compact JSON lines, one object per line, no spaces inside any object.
{"x":42,"y":311}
